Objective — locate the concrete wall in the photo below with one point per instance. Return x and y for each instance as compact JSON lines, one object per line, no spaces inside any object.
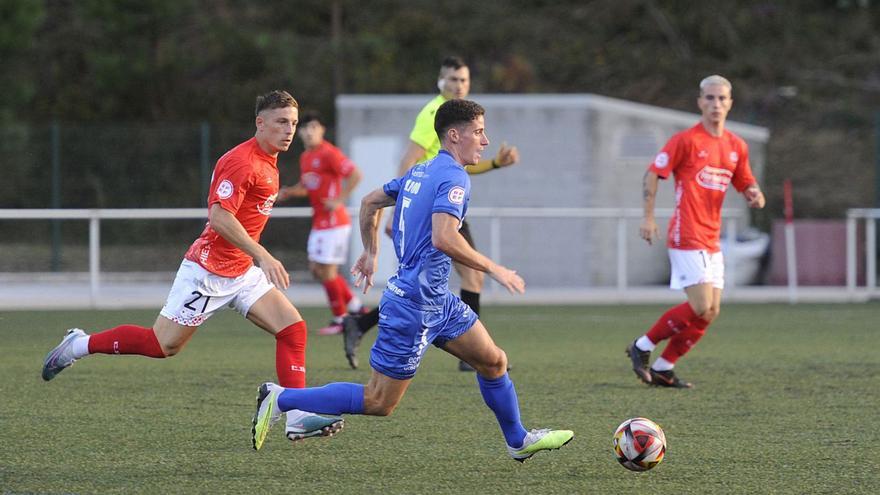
{"x":576,"y":150}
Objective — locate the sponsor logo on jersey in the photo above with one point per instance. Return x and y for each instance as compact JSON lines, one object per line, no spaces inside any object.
{"x":734,"y":156}
{"x":714,"y":178}
{"x":412,"y":364}
{"x":412,"y":186}
{"x":395,"y":290}
{"x":225,"y":189}
{"x":203,"y":255}
{"x":265,"y":208}
{"x":311,"y":180}
{"x":662,"y":160}
{"x":702,"y":154}
{"x":456,"y":195}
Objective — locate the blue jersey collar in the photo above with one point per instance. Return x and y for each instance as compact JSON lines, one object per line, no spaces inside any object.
{"x":449,"y":155}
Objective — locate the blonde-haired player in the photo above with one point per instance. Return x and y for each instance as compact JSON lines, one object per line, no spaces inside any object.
{"x":704,"y":161}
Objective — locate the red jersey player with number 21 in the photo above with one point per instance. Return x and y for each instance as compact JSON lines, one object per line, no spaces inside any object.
{"x":226,"y":266}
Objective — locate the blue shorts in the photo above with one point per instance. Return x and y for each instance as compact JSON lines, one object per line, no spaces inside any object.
{"x":406,"y":329}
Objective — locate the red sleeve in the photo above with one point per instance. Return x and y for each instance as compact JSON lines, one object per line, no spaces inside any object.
{"x":742,"y":176}
{"x":340,"y":163}
{"x":668,"y":159}
{"x":230,"y":184}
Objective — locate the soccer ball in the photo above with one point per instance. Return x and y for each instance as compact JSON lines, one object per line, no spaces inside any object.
{"x":639,"y":444}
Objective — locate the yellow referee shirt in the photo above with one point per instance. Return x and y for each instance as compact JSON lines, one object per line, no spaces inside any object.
{"x":423,"y":134}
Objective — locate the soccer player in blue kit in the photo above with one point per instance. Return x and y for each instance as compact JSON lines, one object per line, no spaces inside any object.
{"x":417,"y":307}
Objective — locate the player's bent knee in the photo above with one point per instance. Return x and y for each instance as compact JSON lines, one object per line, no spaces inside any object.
{"x":710,"y":314}
{"x":495,"y":366}
{"x":701,"y":309}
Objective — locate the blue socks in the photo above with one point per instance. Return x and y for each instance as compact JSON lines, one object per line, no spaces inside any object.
{"x":500,"y":396}
{"x":333,"y":398}
{"x":348,"y":398}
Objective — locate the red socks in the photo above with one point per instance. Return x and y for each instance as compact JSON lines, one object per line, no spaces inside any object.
{"x":126,"y":339}
{"x":290,"y":348}
{"x":344,"y":289}
{"x":290,"y":356}
{"x":682,"y":342}
{"x":674,"y":321}
{"x":335,"y":297}
{"x":682,"y":327}
{"x":338,"y":294}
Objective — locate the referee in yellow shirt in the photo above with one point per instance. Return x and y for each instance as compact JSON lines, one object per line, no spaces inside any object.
{"x":454,"y":81}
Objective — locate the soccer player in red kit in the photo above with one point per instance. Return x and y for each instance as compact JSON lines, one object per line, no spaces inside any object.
{"x":704,"y":161}
{"x":327,"y":178}
{"x":226,"y":266}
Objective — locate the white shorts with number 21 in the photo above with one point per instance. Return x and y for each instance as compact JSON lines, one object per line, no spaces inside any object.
{"x":197,"y":293}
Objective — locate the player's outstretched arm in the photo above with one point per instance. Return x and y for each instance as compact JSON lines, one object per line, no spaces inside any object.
{"x":295,"y":191}
{"x":446,"y":237}
{"x":506,"y":156}
{"x":369,"y":217}
{"x":648,"y":230}
{"x":224,"y":223}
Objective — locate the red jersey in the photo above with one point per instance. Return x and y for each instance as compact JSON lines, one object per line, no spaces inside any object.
{"x":321,"y":172}
{"x":703,"y":166}
{"x":244,"y":183}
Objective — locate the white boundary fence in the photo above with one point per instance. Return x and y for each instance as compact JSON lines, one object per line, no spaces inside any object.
{"x":870,"y":216}
{"x":626,"y":219}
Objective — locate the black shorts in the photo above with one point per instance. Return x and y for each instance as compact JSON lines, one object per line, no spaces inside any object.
{"x":465,"y":231}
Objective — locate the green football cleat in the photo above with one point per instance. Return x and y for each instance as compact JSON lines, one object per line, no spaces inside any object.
{"x":538,"y":440}
{"x":267,"y":412}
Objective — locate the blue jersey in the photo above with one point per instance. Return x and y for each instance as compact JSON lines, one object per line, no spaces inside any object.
{"x":440,"y":185}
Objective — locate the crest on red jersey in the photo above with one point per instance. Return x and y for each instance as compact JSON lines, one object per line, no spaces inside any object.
{"x":225,"y":189}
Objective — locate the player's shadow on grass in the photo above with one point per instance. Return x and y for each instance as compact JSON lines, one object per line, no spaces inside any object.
{"x":616,"y":385}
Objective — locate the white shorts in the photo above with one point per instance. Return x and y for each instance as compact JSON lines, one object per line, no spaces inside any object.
{"x":197,"y":293}
{"x":696,"y":266}
{"x":329,"y":246}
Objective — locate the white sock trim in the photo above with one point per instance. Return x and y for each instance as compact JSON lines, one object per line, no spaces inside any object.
{"x":645,"y":344}
{"x":662,"y":365}
{"x":80,"y":347}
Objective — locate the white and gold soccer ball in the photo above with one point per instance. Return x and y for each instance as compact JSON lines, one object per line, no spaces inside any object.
{"x":639,"y":444}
